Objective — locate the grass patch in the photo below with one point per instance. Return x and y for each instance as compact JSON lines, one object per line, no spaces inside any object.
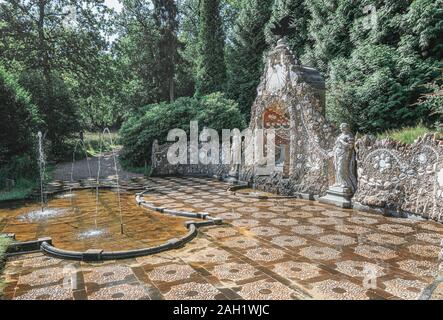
{"x":4,"y":242}
{"x":24,"y":187}
{"x":406,"y":135}
{"x":146,"y":170}
{"x":22,"y":190}
{"x":93,"y":140}
{"x":95,"y":143}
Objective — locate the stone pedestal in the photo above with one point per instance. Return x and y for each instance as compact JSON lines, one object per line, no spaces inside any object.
{"x":338,"y":196}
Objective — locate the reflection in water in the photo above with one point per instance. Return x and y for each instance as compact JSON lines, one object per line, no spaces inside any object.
{"x":70,"y":221}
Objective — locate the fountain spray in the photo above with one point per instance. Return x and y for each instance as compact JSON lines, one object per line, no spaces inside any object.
{"x":117,"y":179}
{"x":41,"y":165}
{"x":82,"y":144}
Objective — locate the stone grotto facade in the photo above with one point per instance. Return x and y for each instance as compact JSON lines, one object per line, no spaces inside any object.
{"x":392,"y":177}
{"x":395,"y":177}
{"x":291,"y":100}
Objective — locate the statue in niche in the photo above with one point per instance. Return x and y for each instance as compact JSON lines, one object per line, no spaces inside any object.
{"x":345,"y":160}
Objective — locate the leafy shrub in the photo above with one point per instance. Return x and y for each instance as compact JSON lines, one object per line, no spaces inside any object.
{"x":154,"y":122}
{"x":4,"y":243}
{"x":19,"y":119}
{"x":57,"y":109}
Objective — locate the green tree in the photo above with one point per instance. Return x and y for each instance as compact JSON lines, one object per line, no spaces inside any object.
{"x":154,"y":122}
{"x":149,"y":54}
{"x":54,"y":40}
{"x":19,"y":124}
{"x":165,"y":17}
{"x":57,"y":107}
{"x":245,"y":54}
{"x":328,"y":30}
{"x":211,"y":71}
{"x":375,"y":89}
{"x":425,"y":22}
{"x":297,"y":9}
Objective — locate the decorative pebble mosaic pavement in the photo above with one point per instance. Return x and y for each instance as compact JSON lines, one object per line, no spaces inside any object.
{"x":267,"y":249}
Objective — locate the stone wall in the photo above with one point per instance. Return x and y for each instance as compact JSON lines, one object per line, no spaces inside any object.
{"x":161,"y":166}
{"x":401,"y":178}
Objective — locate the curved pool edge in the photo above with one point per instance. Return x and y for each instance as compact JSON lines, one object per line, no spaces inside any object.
{"x":93,"y":255}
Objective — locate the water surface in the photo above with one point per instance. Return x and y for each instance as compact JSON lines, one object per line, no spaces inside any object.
{"x":75,"y":222}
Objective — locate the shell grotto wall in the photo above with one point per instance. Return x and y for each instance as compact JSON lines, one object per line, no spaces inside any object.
{"x":401,"y":178}
{"x":291,"y":100}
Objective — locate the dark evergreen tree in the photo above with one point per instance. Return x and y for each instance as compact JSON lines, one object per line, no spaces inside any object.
{"x":211,"y":70}
{"x":165,"y":17}
{"x":245,"y":54}
{"x":328,"y":29}
{"x":297,"y":10}
{"x":394,"y":61}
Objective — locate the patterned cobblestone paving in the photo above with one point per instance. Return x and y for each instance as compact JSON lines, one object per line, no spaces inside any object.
{"x":267,"y":249}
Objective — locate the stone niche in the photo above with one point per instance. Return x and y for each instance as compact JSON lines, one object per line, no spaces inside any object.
{"x":401,"y":178}
{"x":291,"y":100}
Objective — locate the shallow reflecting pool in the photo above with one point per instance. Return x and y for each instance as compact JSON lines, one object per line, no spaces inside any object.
{"x":75,"y":221}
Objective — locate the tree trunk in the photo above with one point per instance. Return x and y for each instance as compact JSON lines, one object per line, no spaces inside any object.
{"x":46,"y":67}
{"x":172,"y":90}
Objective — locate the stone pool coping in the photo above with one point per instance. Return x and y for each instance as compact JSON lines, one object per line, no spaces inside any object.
{"x":93,"y":255}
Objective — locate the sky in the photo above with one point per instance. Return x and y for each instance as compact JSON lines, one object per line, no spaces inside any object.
{"x":115,"y":4}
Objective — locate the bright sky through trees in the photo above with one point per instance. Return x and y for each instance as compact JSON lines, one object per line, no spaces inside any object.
{"x":115,"y":4}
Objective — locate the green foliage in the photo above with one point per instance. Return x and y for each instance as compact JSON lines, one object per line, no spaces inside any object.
{"x":4,"y":243}
{"x":297,"y":9}
{"x":405,"y":135}
{"x":139,"y":132}
{"x":374,"y":89}
{"x":94,"y":144}
{"x":425,"y":22}
{"x":151,"y":67}
{"x":145,"y":170}
{"x":53,"y":35}
{"x":22,"y":190}
{"x":19,"y":123}
{"x":329,"y":31}
{"x":245,"y":54}
{"x":19,"y":166}
{"x":211,"y":71}
{"x":57,"y":108}
{"x":19,"y":118}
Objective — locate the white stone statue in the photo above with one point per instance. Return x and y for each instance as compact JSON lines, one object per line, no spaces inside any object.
{"x":345,"y":160}
{"x":236,"y":151}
